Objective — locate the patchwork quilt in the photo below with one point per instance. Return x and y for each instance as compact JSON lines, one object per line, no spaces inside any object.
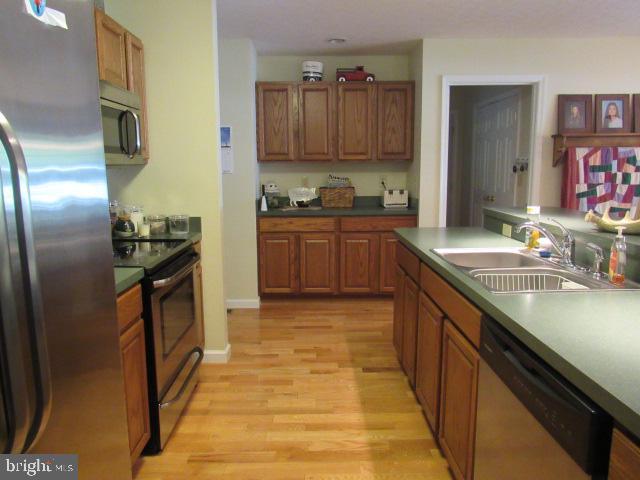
{"x":598,"y":178}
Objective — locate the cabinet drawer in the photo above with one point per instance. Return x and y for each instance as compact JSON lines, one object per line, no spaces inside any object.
{"x":408,"y":261}
{"x":129,"y":307}
{"x":465,"y":315}
{"x":293,"y":224}
{"x":376,"y":224}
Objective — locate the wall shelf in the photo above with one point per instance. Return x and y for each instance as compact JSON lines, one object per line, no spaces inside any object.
{"x":562,"y":142}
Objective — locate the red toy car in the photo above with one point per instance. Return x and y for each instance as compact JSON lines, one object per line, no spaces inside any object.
{"x":357,"y":74}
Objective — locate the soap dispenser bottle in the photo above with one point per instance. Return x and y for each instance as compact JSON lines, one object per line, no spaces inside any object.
{"x":618,"y":258}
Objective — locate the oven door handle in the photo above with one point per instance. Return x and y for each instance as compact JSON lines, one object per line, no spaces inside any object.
{"x":186,"y":382}
{"x":179,"y":275}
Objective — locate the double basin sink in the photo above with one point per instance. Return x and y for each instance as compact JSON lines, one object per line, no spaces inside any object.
{"x":515,"y":270}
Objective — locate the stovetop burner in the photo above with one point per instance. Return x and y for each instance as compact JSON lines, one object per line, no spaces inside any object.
{"x":146,"y":254}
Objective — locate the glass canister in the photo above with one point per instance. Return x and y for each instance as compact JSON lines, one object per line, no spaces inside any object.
{"x":179,"y":224}
{"x":157,"y":224}
{"x":137,"y":216}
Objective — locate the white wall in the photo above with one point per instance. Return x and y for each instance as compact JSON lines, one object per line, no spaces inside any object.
{"x":596,"y":65}
{"x":237,"y":109}
{"x":183,"y":174}
{"x":415,"y":74}
{"x":365,"y":176}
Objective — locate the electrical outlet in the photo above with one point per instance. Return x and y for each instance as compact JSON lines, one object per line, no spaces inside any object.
{"x":305,"y":181}
{"x":506,"y":230}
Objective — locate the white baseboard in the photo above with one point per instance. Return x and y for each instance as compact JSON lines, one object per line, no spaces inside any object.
{"x":232,"y":303}
{"x":217,"y":356}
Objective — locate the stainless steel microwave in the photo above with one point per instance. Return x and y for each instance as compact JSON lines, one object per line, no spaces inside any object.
{"x":121,"y":125}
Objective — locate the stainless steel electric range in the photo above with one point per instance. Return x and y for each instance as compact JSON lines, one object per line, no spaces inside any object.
{"x":173,"y":327}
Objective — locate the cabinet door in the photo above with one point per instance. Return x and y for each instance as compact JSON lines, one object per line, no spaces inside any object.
{"x":317,"y":262}
{"x":398,"y":312}
{"x":356,"y":121}
{"x":625,"y":458}
{"x":278,"y":263}
{"x":134,"y":366}
{"x":410,"y":328}
{"x":359,"y":262}
{"x":112,"y":57}
{"x":395,"y":121}
{"x":428,"y":358}
{"x":136,"y":83}
{"x":388,"y":243}
{"x":275,"y":111}
{"x":317,"y":125}
{"x":458,"y":399}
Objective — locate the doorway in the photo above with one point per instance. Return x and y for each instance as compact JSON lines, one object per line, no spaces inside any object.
{"x":490,"y":153}
{"x":489,"y":150}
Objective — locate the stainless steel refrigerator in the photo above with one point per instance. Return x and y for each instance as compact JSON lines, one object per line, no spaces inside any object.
{"x":62,"y":383}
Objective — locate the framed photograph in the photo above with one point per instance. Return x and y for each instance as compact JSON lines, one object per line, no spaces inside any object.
{"x":613,"y":114}
{"x":575,"y":114}
{"x":636,"y":112}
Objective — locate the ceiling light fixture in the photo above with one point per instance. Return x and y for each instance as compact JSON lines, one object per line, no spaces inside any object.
{"x":336,"y":41}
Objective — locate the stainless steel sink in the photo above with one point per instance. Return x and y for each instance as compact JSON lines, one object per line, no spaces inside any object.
{"x":514,"y":270}
{"x":489,"y":257}
{"x":526,"y":280}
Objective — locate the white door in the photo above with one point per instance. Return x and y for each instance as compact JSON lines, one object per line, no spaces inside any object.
{"x":495,"y":146}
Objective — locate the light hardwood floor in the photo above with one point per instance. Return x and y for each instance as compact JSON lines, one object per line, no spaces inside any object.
{"x":313,"y":391}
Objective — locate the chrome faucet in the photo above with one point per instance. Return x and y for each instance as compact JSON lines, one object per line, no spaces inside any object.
{"x":566,"y":247}
{"x":598,"y":258}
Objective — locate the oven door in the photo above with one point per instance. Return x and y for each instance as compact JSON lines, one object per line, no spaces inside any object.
{"x":177,"y":332}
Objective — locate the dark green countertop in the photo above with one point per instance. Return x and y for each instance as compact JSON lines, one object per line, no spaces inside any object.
{"x":362,"y":206}
{"x":591,"y":338}
{"x":127,"y":277}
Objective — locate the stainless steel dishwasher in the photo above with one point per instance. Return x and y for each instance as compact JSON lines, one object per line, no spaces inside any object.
{"x":531,"y":423}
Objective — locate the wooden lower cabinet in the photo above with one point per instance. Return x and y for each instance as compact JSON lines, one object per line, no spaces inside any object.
{"x":388,"y":242}
{"x":410,"y":328}
{"x":428,"y":358}
{"x":624,"y":463}
{"x":359,"y":262}
{"x":398,"y":312}
{"x":318,"y":263}
{"x":458,"y":399}
{"x":134,"y":368}
{"x":278,"y":263}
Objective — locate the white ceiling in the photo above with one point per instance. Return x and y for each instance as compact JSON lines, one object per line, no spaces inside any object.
{"x":393,"y":26}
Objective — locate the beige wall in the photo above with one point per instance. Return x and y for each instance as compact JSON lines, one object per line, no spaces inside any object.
{"x":415,"y":74}
{"x":365,"y":176}
{"x":237,"y":109}
{"x":272,"y":68}
{"x":597,"y":65}
{"x":183,"y":174}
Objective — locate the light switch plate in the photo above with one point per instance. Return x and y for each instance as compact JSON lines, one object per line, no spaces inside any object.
{"x":506,"y":230}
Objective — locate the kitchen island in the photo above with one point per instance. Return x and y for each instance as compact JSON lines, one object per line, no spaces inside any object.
{"x":590,"y":337}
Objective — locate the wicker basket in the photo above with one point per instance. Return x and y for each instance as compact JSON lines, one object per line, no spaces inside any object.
{"x":337,"y":197}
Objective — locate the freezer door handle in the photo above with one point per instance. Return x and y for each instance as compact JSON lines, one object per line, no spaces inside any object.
{"x":26,"y":250}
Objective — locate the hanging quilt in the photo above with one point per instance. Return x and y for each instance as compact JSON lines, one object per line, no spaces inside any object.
{"x":597,"y":178}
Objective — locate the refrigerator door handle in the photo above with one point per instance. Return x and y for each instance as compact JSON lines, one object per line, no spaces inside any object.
{"x":35,"y":313}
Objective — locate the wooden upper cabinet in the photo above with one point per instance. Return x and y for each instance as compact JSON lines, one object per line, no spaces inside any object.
{"x":356,"y":121}
{"x":136,"y":84}
{"x":278,"y":263}
{"x":398,"y":311}
{"x":388,"y":243}
{"x":316,"y":121}
{"x":359,"y":262}
{"x":395,"y":121}
{"x":458,"y":401}
{"x":276,"y":112}
{"x":410,"y":328}
{"x":111,"y":44}
{"x":318,"y":263}
{"x":624,"y":463}
{"x":428,"y":358}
